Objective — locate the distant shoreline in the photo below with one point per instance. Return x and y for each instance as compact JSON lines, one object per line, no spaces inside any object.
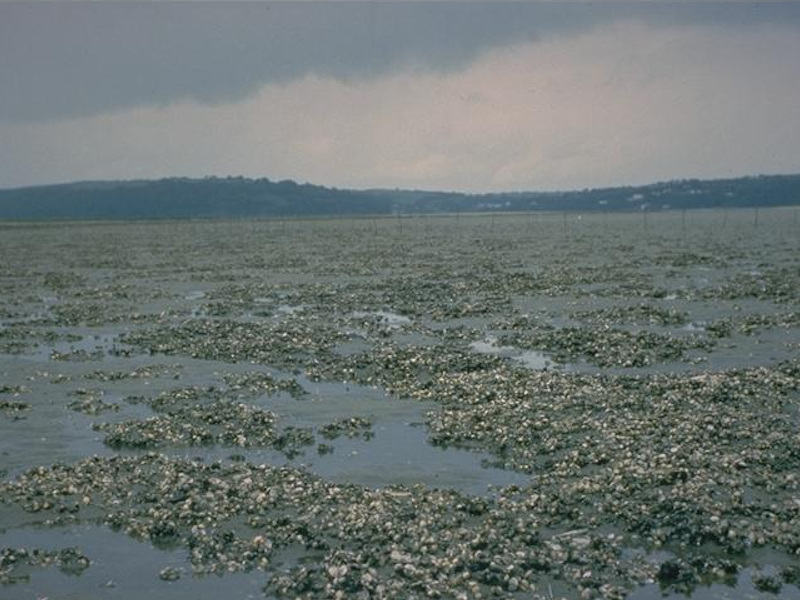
{"x":240,"y":198}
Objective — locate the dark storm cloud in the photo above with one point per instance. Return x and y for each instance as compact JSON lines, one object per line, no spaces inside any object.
{"x":65,"y":59}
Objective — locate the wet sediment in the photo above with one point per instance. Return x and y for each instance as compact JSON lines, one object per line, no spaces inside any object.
{"x":182,"y":399}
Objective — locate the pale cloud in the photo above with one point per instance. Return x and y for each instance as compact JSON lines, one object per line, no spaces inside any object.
{"x":629,"y":103}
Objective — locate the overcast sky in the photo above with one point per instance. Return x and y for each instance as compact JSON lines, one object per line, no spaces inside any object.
{"x":436,"y":95}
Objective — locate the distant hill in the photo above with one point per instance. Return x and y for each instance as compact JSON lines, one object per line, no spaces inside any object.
{"x":238,"y":197}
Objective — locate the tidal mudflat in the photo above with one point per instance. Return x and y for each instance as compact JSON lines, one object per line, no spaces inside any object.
{"x":518,"y":406}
